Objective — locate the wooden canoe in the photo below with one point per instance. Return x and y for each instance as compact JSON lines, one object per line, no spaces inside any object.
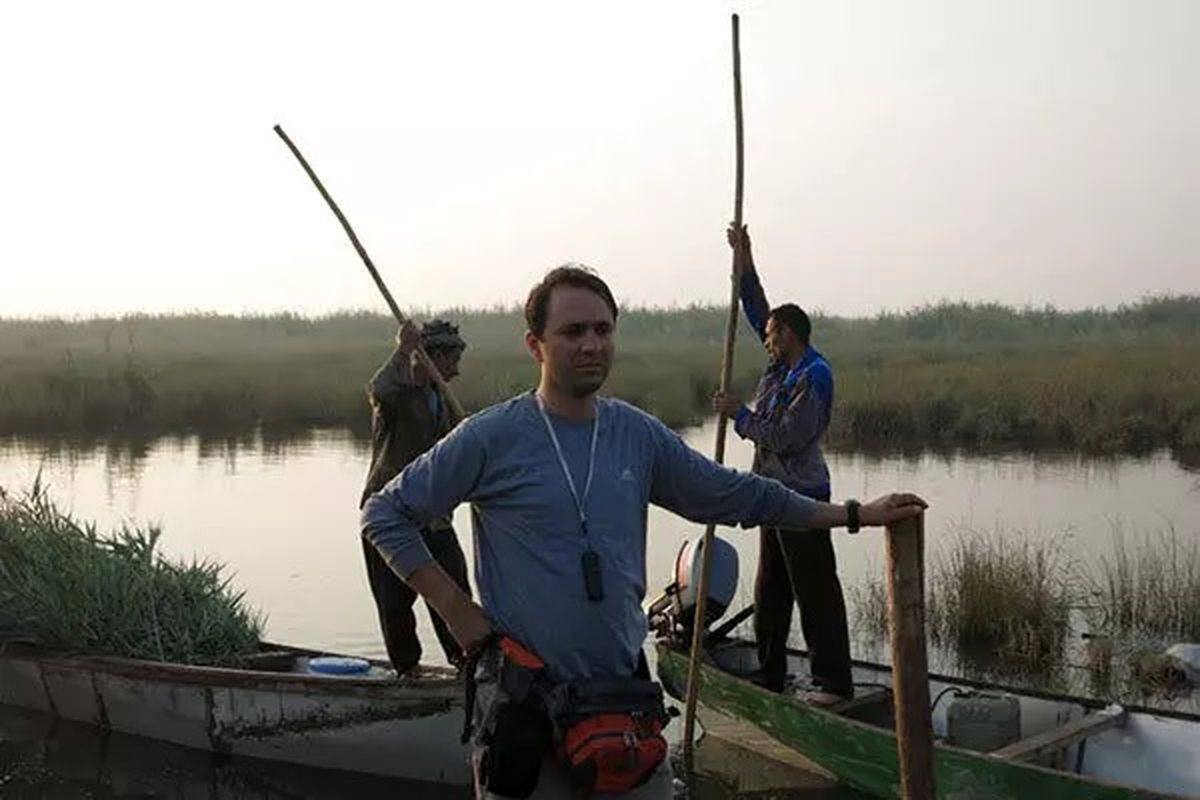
{"x":270,"y":708}
{"x":1070,"y":748}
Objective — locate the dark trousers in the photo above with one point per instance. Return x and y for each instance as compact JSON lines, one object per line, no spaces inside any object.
{"x":395,"y":600}
{"x":799,"y":566}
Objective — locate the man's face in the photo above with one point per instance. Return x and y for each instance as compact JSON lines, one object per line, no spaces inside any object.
{"x":781,"y":341}
{"x":576,"y":349}
{"x":446,"y":361}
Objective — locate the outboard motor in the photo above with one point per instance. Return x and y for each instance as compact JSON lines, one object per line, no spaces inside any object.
{"x":674,"y":610}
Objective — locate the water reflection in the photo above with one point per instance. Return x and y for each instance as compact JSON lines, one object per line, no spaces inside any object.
{"x":127,"y":453}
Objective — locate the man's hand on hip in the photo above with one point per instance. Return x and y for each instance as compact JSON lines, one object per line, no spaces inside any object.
{"x":463,"y":616}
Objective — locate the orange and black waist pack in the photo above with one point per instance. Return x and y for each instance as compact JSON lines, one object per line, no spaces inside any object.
{"x":612,"y":733}
{"x":609,"y":731}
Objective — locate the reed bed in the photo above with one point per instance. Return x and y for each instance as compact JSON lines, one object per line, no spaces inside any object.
{"x":66,"y":587}
{"x":1150,"y":590}
{"x":1004,"y":606}
{"x":952,"y":375}
{"x":994,"y":594}
{"x":989,"y":597}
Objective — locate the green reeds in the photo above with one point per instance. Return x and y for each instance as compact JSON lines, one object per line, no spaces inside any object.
{"x":996,"y":595}
{"x":68,"y":588}
{"x":995,"y":600}
{"x":1004,"y":605}
{"x":1101,"y":381}
{"x":1150,"y":590}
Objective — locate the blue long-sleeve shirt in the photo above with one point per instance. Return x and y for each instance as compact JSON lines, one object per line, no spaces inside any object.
{"x":792,"y":407}
{"x":528,"y":538}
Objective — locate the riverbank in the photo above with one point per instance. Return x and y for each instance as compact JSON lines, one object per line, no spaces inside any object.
{"x":1100,"y":382}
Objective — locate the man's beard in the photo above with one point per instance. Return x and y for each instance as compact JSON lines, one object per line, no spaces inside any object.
{"x":587,"y":386}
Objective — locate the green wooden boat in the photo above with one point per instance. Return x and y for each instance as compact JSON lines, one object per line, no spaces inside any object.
{"x":1068,"y":748}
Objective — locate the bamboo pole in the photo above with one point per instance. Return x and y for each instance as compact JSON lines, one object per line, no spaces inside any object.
{"x":689,"y":717}
{"x":455,"y":407}
{"x":910,"y":668}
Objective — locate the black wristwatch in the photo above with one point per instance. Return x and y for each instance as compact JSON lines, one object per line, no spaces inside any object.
{"x":852,"y":516}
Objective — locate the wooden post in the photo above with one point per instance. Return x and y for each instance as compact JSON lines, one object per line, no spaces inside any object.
{"x":910,"y":666}
{"x":689,"y":712}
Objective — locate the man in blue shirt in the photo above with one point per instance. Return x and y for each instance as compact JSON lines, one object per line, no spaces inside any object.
{"x":559,"y":482}
{"x":791,"y":411}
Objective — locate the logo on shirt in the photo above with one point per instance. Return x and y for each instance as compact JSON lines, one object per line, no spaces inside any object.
{"x":627,"y":475}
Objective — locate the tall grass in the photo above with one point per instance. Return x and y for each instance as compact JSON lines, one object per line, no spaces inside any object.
{"x":1005,"y":606}
{"x":1151,"y":590}
{"x":66,"y":587}
{"x":993,"y":599}
{"x":1104,"y":381}
{"x":992,"y":594}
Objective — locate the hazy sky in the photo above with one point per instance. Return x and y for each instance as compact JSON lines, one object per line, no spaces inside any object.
{"x":897,"y":153}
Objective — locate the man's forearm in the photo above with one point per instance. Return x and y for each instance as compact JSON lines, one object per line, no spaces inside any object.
{"x":828,"y":515}
{"x":882,"y":511}
{"x":467,"y":622}
{"x":754,"y":302}
{"x":401,"y":365}
{"x":438,"y":589}
{"x":396,"y":372}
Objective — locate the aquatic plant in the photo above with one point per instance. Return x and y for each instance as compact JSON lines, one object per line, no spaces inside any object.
{"x":950,"y":375}
{"x":1003,"y":595}
{"x":994,"y":599}
{"x":1151,"y":590}
{"x":66,"y":587}
{"x":869,"y":607}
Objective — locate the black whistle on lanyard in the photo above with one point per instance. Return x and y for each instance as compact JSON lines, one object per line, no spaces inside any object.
{"x":592,"y":579}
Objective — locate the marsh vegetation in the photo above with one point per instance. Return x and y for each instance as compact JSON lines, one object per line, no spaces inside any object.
{"x":67,"y":587}
{"x":1004,"y":605}
{"x":951,"y":375}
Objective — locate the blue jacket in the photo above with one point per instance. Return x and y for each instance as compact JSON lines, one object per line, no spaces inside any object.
{"x":792,"y":407}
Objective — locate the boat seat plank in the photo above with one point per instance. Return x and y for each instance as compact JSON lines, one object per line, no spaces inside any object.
{"x":860,"y":701}
{"x":1063,"y":736}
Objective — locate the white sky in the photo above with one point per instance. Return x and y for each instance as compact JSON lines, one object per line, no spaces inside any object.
{"x":1026,"y":151}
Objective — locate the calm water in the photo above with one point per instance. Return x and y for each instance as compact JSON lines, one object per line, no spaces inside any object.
{"x":283,"y":515}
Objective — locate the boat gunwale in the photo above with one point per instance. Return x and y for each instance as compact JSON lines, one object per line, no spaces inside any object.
{"x":1092,"y":703}
{"x":681,"y":651}
{"x":416,"y":688}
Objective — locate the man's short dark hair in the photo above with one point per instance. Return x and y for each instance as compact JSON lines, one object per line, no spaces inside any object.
{"x":537,"y":305}
{"x":793,"y":317}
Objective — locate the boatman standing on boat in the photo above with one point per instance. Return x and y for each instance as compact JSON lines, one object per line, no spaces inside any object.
{"x":559,"y":481}
{"x":791,"y":412}
{"x":408,"y":416}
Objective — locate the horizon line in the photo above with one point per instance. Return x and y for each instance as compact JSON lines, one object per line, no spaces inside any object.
{"x":627,"y":308}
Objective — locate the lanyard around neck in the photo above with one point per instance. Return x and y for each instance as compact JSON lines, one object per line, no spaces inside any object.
{"x":580,"y":502}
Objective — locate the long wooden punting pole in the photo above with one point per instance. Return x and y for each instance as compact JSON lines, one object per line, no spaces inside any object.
{"x":910,"y":666}
{"x":689,"y":717}
{"x":452,"y":401}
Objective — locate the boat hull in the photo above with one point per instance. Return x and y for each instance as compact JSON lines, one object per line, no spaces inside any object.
{"x":864,"y":756}
{"x":406,"y":729}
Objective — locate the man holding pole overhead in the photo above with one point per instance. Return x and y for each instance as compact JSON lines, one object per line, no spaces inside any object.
{"x":791,"y":411}
{"x":408,"y":416}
